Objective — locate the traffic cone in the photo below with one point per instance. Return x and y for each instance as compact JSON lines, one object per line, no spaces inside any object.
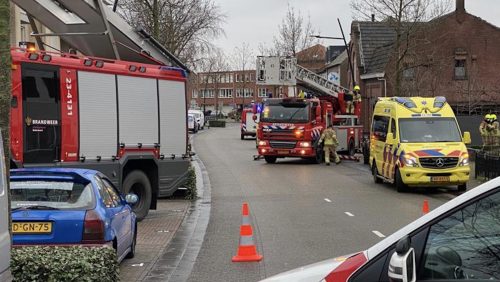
{"x":247,"y":251}
{"x":425,"y":207}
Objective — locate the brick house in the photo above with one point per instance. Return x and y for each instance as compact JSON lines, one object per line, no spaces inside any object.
{"x":456,"y":56}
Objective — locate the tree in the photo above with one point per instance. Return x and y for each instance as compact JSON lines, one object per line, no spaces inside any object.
{"x":406,"y":18}
{"x":185,"y":27}
{"x":210,"y":67}
{"x":293,"y":34}
{"x":5,"y":85}
{"x":243,"y":59}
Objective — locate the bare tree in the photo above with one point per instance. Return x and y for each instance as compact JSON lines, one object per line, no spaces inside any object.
{"x":406,"y":17}
{"x":243,"y":59}
{"x":210,"y":68}
{"x":185,"y":27}
{"x":294,"y":34}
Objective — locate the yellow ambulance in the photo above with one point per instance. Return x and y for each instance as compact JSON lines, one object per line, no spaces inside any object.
{"x":417,"y":142}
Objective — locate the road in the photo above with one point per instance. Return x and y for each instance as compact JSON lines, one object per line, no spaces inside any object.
{"x":302,"y":213}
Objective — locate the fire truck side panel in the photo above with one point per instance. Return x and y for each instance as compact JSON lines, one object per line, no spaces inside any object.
{"x":98,"y":115}
{"x":16,"y":117}
{"x":69,"y":115}
{"x":173,"y":118}
{"x":342,"y":138}
{"x":137,"y":111}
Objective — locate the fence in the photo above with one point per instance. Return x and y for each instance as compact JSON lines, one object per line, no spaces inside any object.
{"x":487,"y":165}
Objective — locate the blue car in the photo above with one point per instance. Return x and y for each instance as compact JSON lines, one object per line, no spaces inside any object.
{"x":62,"y":206}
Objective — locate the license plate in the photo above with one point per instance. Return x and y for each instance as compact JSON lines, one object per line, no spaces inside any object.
{"x":32,"y":227}
{"x":283,"y":152}
{"x":440,"y":179}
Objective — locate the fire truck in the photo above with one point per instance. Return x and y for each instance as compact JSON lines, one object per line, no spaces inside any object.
{"x":125,"y":119}
{"x":291,"y":127}
{"x":249,"y":122}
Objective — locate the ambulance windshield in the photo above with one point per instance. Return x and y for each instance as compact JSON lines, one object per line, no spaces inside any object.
{"x":428,"y":130}
{"x":285,"y":112}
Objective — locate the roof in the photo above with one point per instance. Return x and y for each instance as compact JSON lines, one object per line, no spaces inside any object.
{"x":52,"y":173}
{"x":339,"y":60}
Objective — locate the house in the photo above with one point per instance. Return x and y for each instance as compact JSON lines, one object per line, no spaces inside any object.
{"x":337,"y":70}
{"x":456,"y":55}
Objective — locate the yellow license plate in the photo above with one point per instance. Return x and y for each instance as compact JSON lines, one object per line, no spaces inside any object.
{"x":32,"y":227}
{"x":440,"y":179}
{"x":283,"y":152}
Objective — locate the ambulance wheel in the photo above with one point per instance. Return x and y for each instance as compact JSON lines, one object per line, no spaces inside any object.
{"x":270,"y":159}
{"x":138,"y":183}
{"x":351,"y":149}
{"x":462,"y":187}
{"x":242,"y":137}
{"x":400,"y":185}
{"x":376,"y":179}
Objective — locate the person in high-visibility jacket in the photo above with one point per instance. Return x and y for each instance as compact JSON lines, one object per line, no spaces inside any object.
{"x":495,"y":132}
{"x":483,"y":130}
{"x":330,"y":143}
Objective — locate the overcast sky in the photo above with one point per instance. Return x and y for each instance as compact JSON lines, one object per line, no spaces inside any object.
{"x":256,"y":21}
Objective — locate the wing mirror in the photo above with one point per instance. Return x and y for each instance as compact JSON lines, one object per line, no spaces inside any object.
{"x":390,"y":138}
{"x":131,"y":199}
{"x":402,"y":265}
{"x":467,"y":139}
{"x":254,"y":117}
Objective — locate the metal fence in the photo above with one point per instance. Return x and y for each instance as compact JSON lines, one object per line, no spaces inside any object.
{"x":487,"y":164}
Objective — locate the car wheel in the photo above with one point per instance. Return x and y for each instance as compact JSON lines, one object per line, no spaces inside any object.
{"x":131,"y":254}
{"x":270,"y":159}
{"x":138,"y":183}
{"x":462,"y":187}
{"x":375,"y":174}
{"x":400,"y":185}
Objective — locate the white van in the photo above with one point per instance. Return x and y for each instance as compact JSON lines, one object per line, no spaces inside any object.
{"x":192,"y":124}
{"x":200,"y":118}
{"x":5,"y":240}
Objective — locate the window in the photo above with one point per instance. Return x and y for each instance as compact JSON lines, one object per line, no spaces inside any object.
{"x":379,"y":128}
{"x":466,"y":244}
{"x":460,"y":70}
{"x":106,"y":198}
{"x":244,"y":92}
{"x":114,"y":195}
{"x":230,"y":78}
{"x":263,"y":92}
{"x":195,"y":94}
{"x":393,"y":127}
{"x":207,"y":93}
{"x":226,"y":93}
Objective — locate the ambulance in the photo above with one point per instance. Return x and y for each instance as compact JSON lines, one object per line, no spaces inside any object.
{"x":417,"y":142}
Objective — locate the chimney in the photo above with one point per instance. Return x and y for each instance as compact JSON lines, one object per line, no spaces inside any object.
{"x":460,"y":11}
{"x":373,"y":17}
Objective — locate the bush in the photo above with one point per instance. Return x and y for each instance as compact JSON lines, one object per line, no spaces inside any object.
{"x":217,"y":123}
{"x":190,"y":184}
{"x":75,"y":263}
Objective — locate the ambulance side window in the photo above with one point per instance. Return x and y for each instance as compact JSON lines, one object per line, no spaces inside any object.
{"x":380,"y":127}
{"x":393,"y":127}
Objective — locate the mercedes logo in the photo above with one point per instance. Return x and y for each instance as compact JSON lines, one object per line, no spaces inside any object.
{"x":440,"y":162}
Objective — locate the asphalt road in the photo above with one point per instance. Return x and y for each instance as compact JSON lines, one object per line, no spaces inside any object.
{"x":302,"y":213}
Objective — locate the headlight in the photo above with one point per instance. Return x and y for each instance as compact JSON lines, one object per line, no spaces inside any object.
{"x":305,"y":144}
{"x":410,"y":161}
{"x":464,"y":160}
{"x":298,"y":133}
{"x":262,"y":143}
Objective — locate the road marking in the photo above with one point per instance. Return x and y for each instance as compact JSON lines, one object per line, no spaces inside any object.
{"x":138,"y":264}
{"x":349,"y":214}
{"x":378,"y":234}
{"x":328,"y":200}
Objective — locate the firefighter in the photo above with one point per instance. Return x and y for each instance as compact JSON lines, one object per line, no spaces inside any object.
{"x":489,"y":133}
{"x":357,"y":98}
{"x":302,"y":95}
{"x":495,"y":133}
{"x":330,"y":143}
{"x":349,"y":97}
{"x":483,"y":131}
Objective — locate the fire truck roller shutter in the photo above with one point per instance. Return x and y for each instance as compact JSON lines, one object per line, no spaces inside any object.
{"x":172,"y":117}
{"x":137,"y":110}
{"x":98,"y":118}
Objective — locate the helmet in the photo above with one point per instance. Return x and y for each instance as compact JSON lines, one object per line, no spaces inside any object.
{"x":487,"y":116}
{"x":357,"y":88}
{"x":494,"y":117}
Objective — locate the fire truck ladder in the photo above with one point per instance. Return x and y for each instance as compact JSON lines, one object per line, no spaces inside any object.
{"x":313,"y":80}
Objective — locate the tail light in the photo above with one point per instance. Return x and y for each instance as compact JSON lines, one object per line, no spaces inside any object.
{"x":93,"y":228}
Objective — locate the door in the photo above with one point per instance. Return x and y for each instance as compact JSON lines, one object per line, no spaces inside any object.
{"x":41,"y":113}
{"x":380,"y":127}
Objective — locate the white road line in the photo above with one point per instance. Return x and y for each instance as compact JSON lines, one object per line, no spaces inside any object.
{"x":349,"y":214}
{"x":378,"y":234}
{"x":328,"y":200}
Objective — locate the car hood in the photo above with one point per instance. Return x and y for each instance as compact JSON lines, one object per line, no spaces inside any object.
{"x":310,"y":273}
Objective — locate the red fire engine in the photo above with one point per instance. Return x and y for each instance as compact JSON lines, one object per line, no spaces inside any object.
{"x":125,"y":119}
{"x":248,"y":123}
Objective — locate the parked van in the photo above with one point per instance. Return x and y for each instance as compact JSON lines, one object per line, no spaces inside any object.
{"x":5,"y":240}
{"x":417,"y":142}
{"x":192,"y":123}
{"x":200,"y":118}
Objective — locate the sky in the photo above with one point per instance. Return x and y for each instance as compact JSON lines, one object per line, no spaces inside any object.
{"x":256,"y":21}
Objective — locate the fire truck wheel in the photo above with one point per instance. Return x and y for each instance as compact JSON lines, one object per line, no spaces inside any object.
{"x":376,"y":179}
{"x":352,"y":150}
{"x":400,"y":185}
{"x":270,"y":159}
{"x":138,"y":183}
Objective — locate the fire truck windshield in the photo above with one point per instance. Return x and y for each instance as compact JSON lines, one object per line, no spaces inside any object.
{"x":290,"y":113}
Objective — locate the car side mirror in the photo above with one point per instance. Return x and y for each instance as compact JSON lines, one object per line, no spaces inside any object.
{"x":131,"y":199}
{"x":402,"y":265}
{"x":254,"y":117}
{"x":467,"y":139}
{"x":390,"y":138}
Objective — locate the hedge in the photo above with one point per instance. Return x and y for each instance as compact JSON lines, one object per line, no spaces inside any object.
{"x":217,"y":123}
{"x":75,"y":263}
{"x":190,"y":184}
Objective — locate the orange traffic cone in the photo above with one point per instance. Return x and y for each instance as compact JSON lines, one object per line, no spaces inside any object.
{"x":425,"y":207}
{"x":247,"y":251}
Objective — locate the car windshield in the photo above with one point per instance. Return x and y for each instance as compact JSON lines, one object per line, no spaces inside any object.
{"x":190,"y":118}
{"x":51,"y":194}
{"x":425,"y":130}
{"x":285,"y":113}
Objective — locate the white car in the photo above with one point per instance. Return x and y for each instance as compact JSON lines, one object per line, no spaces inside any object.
{"x":460,"y":240}
{"x":192,"y":124}
{"x":5,"y":239}
{"x":200,"y":118}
